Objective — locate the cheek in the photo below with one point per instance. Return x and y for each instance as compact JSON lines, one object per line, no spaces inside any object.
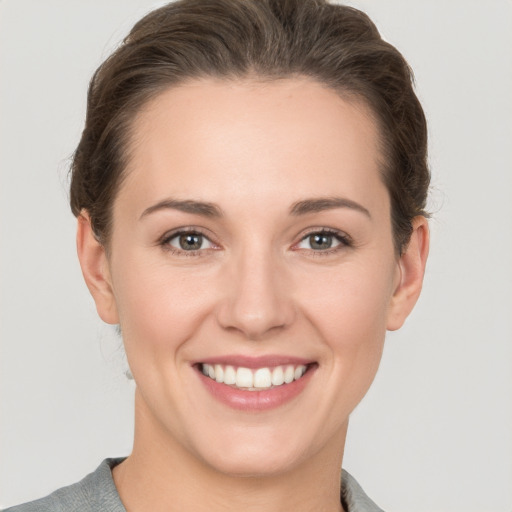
{"x":159,"y":309}
{"x":349,"y":304}
{"x":349,"y":312}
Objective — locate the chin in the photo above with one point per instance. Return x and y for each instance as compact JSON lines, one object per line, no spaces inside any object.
{"x":259,"y":464}
{"x":255,"y":450}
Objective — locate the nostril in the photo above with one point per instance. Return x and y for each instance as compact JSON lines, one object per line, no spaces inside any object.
{"x":254,"y":325}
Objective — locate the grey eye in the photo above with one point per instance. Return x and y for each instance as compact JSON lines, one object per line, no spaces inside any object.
{"x":190,"y":242}
{"x":319,"y":241}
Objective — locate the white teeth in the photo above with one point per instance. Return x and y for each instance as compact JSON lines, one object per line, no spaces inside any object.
{"x":278,"y":376}
{"x":253,"y":380}
{"x":299,"y":372}
{"x":289,"y":374}
{"x":262,"y":378}
{"x":229,"y":375}
{"x":244,"y":378}
{"x":219,"y":373}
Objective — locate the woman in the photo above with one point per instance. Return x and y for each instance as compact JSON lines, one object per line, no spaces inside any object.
{"x":250,"y":190}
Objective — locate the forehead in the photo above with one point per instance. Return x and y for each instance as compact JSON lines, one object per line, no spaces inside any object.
{"x":247,"y":139}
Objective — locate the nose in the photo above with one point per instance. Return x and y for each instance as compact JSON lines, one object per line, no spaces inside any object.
{"x":257,"y":296}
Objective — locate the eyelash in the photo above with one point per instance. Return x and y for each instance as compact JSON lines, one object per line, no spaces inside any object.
{"x":164,"y":242}
{"x":343,"y":239}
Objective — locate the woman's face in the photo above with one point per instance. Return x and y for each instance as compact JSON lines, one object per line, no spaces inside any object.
{"x":252,"y":235}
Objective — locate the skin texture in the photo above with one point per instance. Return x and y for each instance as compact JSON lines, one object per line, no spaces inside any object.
{"x":256,"y":287}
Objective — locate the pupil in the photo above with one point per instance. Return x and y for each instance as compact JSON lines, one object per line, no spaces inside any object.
{"x":320,"y":241}
{"x":191,"y":242}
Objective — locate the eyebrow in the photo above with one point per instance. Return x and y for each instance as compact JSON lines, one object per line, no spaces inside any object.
{"x":187,"y":206}
{"x":211,"y":210}
{"x":319,"y":204}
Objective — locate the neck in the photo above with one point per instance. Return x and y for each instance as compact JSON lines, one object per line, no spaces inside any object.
{"x":161,"y":475}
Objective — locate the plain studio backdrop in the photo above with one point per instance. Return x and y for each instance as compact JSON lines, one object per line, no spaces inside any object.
{"x":435,"y":431}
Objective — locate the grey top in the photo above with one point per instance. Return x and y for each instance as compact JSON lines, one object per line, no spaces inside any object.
{"x":97,"y":493}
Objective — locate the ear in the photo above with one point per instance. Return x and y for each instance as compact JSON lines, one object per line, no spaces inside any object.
{"x":95,"y":269}
{"x":411,"y":271}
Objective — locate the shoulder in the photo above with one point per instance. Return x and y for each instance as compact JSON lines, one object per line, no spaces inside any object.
{"x":353,"y":498}
{"x":95,"y":493}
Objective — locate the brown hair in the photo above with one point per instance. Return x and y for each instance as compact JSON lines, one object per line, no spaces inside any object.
{"x":336,"y":45}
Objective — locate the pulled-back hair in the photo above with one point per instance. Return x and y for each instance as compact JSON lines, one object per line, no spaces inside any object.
{"x":336,"y":45}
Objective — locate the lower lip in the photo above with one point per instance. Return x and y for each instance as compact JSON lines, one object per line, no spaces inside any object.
{"x":256,"y":400}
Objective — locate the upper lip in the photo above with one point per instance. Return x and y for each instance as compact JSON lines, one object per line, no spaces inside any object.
{"x":267,"y":361}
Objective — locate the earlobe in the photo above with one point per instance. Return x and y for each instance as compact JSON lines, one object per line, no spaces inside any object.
{"x":94,"y":264}
{"x":412,"y":269}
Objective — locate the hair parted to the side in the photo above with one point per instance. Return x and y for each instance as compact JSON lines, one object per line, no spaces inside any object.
{"x":336,"y":45}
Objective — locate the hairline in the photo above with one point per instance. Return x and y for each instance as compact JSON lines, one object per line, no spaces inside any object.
{"x":144,"y":101}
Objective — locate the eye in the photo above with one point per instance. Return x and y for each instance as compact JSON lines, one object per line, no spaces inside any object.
{"x":188,"y":241}
{"x":323,"y":241}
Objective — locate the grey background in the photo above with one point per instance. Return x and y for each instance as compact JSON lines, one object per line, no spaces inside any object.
{"x":435,"y":431}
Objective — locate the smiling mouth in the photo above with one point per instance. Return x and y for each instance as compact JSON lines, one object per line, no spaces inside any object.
{"x":257,"y":379}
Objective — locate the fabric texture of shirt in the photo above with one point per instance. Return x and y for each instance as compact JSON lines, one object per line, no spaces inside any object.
{"x":97,"y":493}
